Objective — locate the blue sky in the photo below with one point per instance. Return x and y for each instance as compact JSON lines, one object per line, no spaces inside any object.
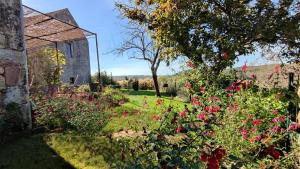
{"x":100,"y":16}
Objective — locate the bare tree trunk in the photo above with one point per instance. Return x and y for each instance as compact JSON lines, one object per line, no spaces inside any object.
{"x":155,"y":81}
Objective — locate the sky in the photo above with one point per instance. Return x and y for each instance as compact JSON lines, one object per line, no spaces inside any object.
{"x":101,"y":17}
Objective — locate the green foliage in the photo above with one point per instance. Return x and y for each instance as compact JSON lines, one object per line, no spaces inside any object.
{"x":83,"y":88}
{"x":225,"y":128}
{"x":46,"y":64}
{"x":85,"y":116}
{"x":105,"y":79}
{"x":113,"y":96}
{"x":135,"y":85}
{"x":214,"y":33}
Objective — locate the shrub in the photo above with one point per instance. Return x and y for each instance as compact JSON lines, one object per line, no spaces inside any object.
{"x":135,"y":85}
{"x":83,"y":88}
{"x":146,"y":84}
{"x":123,"y":84}
{"x":113,"y":96}
{"x":224,"y":129}
{"x":84,"y":116}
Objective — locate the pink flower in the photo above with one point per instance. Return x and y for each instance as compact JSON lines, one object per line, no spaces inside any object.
{"x":293,"y":126}
{"x":188,"y":85}
{"x":244,"y":68}
{"x":258,"y":137}
{"x":215,"y":109}
{"x":202,"y":116}
{"x":182,"y":114}
{"x":180,"y":129}
{"x":244,"y":133}
{"x":276,"y":120}
{"x":276,"y":129}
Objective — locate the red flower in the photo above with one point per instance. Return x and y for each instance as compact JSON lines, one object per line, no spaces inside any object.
{"x":244,"y":133}
{"x":272,"y":152}
{"x":219,"y":153}
{"x":215,"y":109}
{"x":125,"y":114}
{"x":204,"y":157}
{"x":213,"y":163}
{"x":202,"y":116}
{"x":258,"y":137}
{"x":225,"y":56}
{"x":244,"y":68}
{"x":196,"y":103}
{"x":254,"y":76}
{"x":83,"y":110}
{"x":257,"y":122}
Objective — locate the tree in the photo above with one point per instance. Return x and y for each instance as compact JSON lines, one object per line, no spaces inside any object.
{"x":214,"y":33}
{"x":46,"y":66}
{"x":141,"y":46}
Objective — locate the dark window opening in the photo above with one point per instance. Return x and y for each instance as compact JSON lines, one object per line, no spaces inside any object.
{"x":69,"y":50}
{"x":72,"y":80}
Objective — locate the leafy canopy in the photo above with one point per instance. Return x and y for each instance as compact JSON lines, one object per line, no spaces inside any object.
{"x":215,"y":32}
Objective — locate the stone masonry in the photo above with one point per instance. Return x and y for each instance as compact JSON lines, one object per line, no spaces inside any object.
{"x":13,"y":63}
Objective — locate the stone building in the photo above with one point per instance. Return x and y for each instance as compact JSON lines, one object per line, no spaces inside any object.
{"x":13,"y":63}
{"x":76,"y":51}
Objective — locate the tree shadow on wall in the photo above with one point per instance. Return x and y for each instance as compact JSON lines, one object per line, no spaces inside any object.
{"x":30,"y":153}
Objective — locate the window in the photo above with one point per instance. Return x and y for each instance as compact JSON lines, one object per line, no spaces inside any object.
{"x":69,"y":50}
{"x":72,"y":80}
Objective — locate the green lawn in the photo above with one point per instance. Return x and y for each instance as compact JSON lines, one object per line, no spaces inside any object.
{"x":140,"y":114}
{"x":67,"y":150}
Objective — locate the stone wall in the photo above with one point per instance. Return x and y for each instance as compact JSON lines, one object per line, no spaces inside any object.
{"x":13,"y":63}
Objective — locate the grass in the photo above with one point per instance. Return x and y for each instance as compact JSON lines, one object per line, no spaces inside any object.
{"x":140,"y":114}
{"x":31,"y":153}
{"x":69,"y":150}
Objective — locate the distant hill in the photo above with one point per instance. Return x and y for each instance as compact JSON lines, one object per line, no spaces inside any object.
{"x":262,"y":72}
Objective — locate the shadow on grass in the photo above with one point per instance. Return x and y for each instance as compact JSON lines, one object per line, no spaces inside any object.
{"x":30,"y":153}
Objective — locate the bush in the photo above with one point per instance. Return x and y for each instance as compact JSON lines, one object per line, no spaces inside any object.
{"x":146,"y":84}
{"x":113,"y":96}
{"x":123,"y":84}
{"x":135,"y":85}
{"x":83,"y":88}
{"x":84,"y":116}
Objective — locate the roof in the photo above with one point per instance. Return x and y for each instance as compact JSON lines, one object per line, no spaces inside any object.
{"x":43,"y":29}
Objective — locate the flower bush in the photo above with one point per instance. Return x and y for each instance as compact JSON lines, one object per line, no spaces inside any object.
{"x":231,"y":129}
{"x":233,"y":126}
{"x":86,"y":116}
